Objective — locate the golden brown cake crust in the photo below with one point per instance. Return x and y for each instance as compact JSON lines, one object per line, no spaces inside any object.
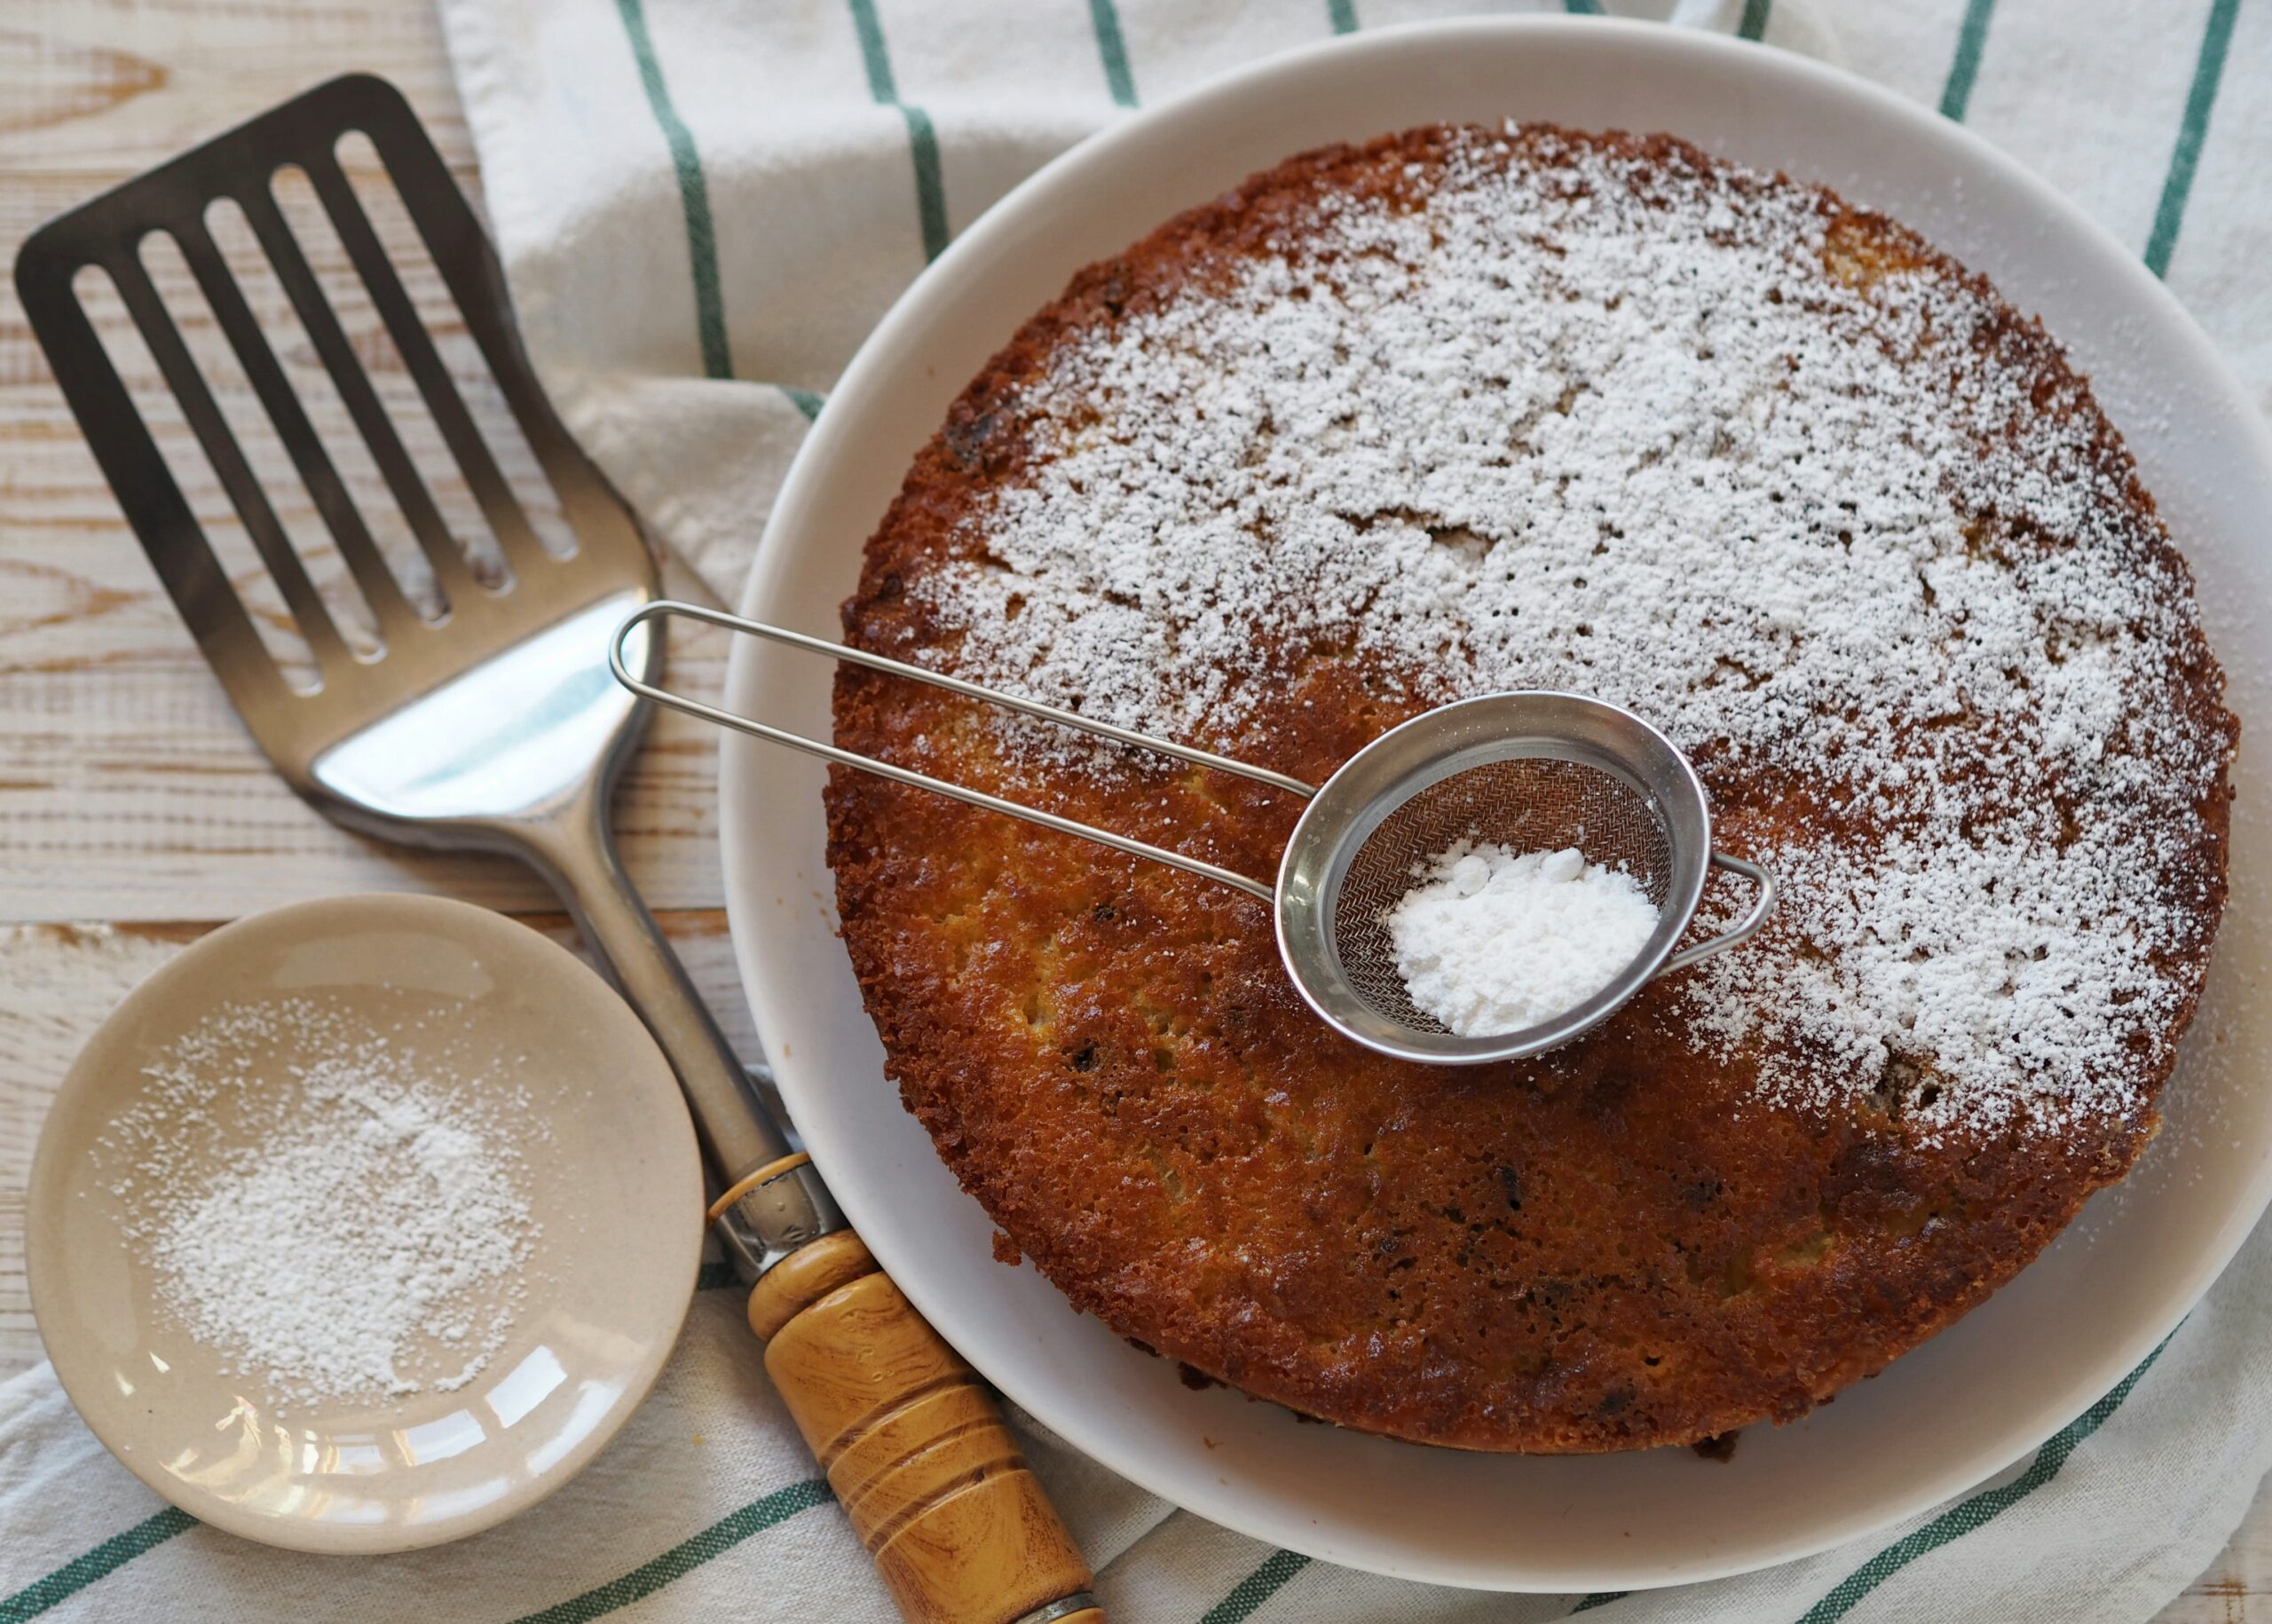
{"x":1634,"y":1240}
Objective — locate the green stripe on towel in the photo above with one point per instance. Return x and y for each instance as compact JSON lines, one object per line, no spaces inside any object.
{"x":1971,"y":36}
{"x":873,"y":54}
{"x":106,"y":1559}
{"x":1754,"y":25}
{"x":930,"y":189}
{"x":716,"y":1276}
{"x":1582,"y":8}
{"x":693,"y":195}
{"x":1985,"y":1507}
{"x":1599,"y":1599}
{"x":1342,"y":15}
{"x":2177,"y":186}
{"x":1256,"y":1589}
{"x":1112,"y":51}
{"x":922,"y":139}
{"x":682,"y":1558}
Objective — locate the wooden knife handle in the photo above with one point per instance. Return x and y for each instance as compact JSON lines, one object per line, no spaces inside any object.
{"x":915,"y":1448}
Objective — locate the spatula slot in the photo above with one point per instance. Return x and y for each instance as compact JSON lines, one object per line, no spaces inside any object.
{"x":359,"y":509}
{"x":476,"y":417}
{"x":228,"y":556}
{"x":269,"y":490}
{"x":439,"y":505}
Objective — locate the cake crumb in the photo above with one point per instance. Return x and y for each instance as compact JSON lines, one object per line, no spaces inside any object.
{"x":1720,"y":1447}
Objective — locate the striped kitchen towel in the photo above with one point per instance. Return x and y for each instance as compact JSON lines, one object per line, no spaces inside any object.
{"x":704,"y":206}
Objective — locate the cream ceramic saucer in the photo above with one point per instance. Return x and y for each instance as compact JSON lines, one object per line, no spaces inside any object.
{"x":607,"y":1168}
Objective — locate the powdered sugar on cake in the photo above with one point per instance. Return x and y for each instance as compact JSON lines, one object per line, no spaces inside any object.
{"x":1571,"y":422}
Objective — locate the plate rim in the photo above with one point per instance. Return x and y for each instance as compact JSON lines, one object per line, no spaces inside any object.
{"x":448,"y":915}
{"x":874,"y":361}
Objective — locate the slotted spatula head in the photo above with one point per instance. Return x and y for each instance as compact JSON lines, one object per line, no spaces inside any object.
{"x":500,"y":705}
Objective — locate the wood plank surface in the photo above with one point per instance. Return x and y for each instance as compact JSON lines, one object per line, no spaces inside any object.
{"x":135,"y":815}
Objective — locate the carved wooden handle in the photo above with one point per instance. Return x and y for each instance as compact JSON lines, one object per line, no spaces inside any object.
{"x":934,"y":1484}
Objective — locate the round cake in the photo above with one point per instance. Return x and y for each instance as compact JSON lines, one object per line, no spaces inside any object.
{"x":1467,"y":410}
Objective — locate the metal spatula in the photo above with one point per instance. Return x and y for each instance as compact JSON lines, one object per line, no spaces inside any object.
{"x":496,"y":726}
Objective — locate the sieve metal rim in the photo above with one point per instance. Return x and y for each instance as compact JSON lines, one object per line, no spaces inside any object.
{"x":1415,"y":756}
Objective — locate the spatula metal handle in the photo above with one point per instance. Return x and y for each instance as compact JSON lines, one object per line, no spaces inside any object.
{"x":576,"y":853}
{"x":914,"y":1446}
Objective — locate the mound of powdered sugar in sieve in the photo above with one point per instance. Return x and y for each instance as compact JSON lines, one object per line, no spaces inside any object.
{"x":1491,"y":942}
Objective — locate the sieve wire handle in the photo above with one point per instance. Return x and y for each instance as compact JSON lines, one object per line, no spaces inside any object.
{"x":1743,"y":929}
{"x":664,"y":607}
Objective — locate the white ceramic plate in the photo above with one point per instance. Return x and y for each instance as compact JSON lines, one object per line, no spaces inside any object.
{"x":1946,"y":1417}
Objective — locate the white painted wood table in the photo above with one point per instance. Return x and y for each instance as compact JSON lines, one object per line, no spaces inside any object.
{"x":135,"y":815}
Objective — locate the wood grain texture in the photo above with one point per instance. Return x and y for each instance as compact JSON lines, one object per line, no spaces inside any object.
{"x":134,"y":814}
{"x":933,"y":1482}
{"x":106,"y":86}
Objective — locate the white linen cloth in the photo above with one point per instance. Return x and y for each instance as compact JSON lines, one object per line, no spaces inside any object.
{"x":704,"y":207}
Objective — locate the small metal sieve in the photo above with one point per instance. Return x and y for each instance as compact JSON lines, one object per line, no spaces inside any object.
{"x":1531,"y":771}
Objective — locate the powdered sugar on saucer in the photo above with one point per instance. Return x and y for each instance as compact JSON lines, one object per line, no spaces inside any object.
{"x":368,"y":1241}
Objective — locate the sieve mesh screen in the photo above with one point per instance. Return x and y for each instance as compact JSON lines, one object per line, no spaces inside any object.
{"x":1526,"y":803}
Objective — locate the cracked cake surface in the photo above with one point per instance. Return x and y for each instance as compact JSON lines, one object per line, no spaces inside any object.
{"x":1469,"y":409}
